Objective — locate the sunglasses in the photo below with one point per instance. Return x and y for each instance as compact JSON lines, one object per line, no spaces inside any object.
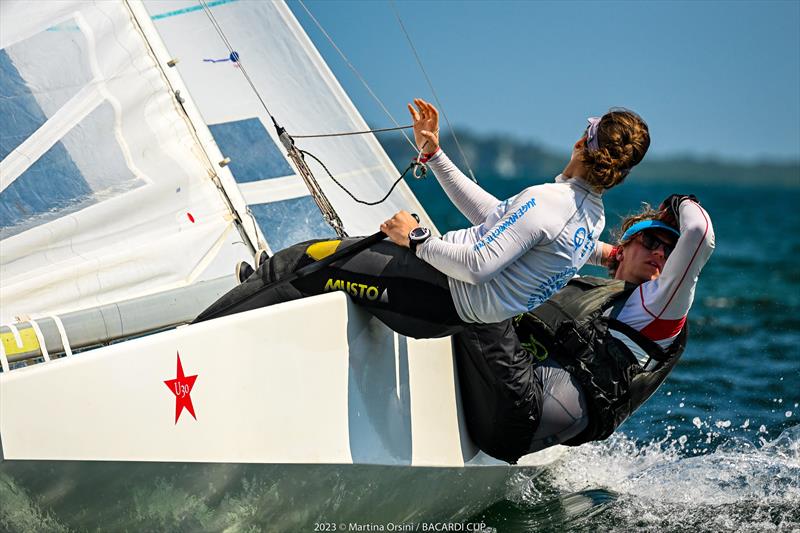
{"x":651,"y":242}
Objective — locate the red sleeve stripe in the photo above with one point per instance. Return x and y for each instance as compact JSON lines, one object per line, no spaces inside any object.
{"x":686,"y":271}
{"x":641,"y":297}
{"x":660,"y":329}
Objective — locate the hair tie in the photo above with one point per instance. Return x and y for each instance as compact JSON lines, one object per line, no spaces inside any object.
{"x":591,"y":133}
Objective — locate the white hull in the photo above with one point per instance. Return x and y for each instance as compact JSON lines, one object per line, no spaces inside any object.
{"x":313,"y":381}
{"x":317,"y":382}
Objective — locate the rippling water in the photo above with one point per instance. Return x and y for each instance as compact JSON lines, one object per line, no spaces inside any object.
{"x":716,"y":449}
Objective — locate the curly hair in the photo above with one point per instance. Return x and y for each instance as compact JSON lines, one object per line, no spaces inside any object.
{"x":646,"y":213}
{"x":623,"y":139}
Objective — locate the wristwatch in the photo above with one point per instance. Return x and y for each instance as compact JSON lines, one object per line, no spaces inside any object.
{"x":417,"y":236}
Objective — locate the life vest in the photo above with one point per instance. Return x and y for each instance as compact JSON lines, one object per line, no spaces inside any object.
{"x":571,"y":328}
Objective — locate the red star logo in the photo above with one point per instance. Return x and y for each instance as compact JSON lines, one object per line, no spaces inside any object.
{"x":181,"y":387}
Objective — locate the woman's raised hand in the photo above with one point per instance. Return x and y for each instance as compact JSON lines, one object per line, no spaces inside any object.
{"x":426,"y":125}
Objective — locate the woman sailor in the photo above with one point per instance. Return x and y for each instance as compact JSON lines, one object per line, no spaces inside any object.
{"x":517,"y":254}
{"x":576,"y":367}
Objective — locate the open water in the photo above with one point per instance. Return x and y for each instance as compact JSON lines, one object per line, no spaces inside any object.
{"x":716,"y":449}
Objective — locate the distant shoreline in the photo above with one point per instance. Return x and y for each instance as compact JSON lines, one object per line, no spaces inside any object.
{"x":509,"y":158}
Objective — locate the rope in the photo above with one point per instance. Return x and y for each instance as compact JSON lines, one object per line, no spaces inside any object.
{"x":357,"y":73}
{"x":325,"y":207}
{"x":435,"y":96}
{"x":398,"y":180}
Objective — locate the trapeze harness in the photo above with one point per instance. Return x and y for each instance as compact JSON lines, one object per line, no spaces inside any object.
{"x":499,"y":365}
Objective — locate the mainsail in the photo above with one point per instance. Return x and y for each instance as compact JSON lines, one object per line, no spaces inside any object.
{"x":113,"y":180}
{"x":106,"y":193}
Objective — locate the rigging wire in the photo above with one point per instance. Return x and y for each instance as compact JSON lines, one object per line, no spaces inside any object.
{"x":343,"y":134}
{"x":430,"y":85}
{"x":298,"y":156}
{"x":227,"y":43}
{"x":357,"y":73}
{"x":324,"y":205}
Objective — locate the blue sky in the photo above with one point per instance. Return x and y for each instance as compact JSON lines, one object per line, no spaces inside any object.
{"x":711,"y":78}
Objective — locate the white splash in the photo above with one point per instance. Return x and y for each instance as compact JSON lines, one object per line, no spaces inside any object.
{"x":659,"y":488}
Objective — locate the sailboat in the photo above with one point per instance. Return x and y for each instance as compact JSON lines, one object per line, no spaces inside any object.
{"x":140,"y":162}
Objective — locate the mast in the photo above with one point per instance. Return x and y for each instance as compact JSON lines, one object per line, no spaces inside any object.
{"x":217,"y":163}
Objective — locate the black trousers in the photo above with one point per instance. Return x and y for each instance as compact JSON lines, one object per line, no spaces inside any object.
{"x":404,"y":292}
{"x":500,"y":390}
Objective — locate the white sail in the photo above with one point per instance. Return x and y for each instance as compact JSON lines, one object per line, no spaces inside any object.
{"x":105,"y":191}
{"x":301,"y":93}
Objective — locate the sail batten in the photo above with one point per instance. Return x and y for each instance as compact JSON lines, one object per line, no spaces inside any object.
{"x":35,"y":146}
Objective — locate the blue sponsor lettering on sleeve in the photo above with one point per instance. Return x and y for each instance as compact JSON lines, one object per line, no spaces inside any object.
{"x":507,"y":223}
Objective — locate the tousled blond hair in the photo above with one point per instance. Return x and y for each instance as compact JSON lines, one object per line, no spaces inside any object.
{"x":645,"y":213}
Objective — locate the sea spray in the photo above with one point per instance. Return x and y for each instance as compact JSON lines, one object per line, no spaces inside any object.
{"x":739,"y":486}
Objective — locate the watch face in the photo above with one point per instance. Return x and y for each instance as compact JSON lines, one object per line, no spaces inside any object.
{"x":419,"y":233}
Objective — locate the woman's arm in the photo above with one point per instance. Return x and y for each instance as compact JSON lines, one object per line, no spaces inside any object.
{"x":670,"y":296}
{"x":473,"y":202}
{"x":600,"y":254}
{"x":517,"y":232}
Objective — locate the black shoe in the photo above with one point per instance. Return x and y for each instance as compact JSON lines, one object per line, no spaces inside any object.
{"x":261,"y":257}
{"x":243,"y":271}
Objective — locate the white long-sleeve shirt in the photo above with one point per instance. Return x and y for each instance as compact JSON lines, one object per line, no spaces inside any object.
{"x":520,"y":251}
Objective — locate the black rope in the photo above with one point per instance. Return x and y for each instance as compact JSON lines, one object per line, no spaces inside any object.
{"x":409,"y":167}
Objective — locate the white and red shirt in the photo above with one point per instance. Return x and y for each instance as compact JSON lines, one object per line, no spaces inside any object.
{"x":658,"y":308}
